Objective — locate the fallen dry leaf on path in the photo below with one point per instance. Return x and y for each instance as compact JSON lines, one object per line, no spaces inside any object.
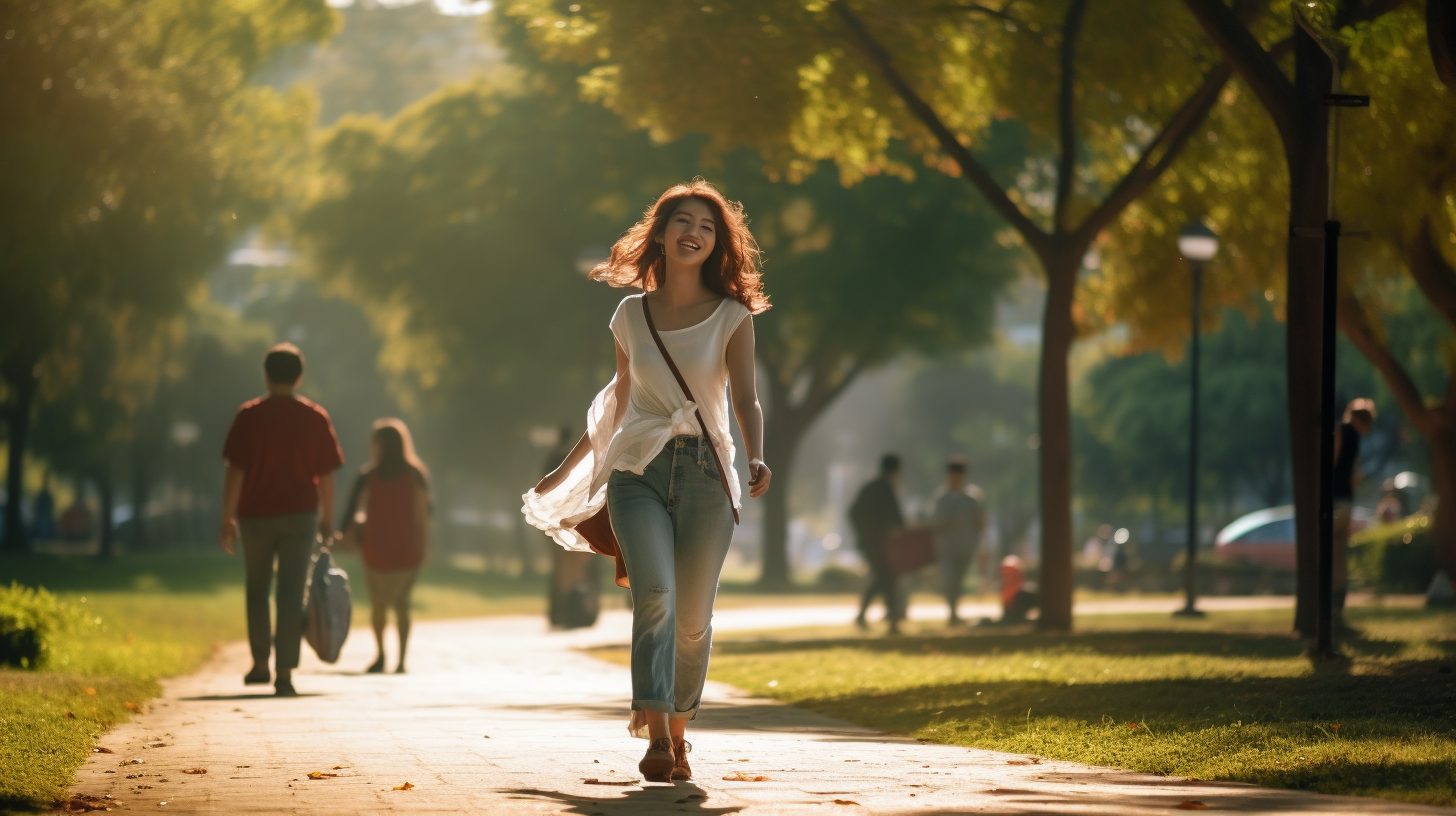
{"x":101,"y":750}
{"x":1191,"y":805}
{"x":743,"y":777}
{"x":405,"y":786}
{"x":619,"y":782}
{"x":85,"y":803}
{"x":321,"y":775}
{"x":157,"y":744}
{"x":849,"y":801}
{"x":335,"y":768}
{"x":194,"y":770}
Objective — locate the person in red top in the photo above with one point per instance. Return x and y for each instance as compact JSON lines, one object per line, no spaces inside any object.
{"x":281,"y":454}
{"x":388,"y":520}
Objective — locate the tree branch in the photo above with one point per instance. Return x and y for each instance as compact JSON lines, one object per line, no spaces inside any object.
{"x":1169,"y":141}
{"x":1350,"y":317}
{"x":975,"y":172}
{"x":1432,"y":273}
{"x":1066,"y":112}
{"x":1251,"y":61}
{"x":1003,"y":13}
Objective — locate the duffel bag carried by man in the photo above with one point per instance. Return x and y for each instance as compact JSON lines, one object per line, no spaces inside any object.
{"x":910,"y":550}
{"x":327,"y":607}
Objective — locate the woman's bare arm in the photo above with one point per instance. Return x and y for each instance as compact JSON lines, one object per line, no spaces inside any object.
{"x":742,"y":382}
{"x":422,"y":514}
{"x":622,"y":390}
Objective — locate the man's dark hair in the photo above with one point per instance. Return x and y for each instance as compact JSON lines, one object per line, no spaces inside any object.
{"x":889,"y":463}
{"x":284,"y":364}
{"x":956,"y":464}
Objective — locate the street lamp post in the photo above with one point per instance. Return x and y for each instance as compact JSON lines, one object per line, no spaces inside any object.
{"x":1198,"y":244}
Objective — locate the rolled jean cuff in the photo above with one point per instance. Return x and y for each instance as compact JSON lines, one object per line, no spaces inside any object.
{"x":654,"y":705}
{"x":689,"y":714}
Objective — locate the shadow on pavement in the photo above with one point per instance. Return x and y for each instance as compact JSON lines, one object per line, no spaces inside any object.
{"x":245,"y":696}
{"x":677,"y":798}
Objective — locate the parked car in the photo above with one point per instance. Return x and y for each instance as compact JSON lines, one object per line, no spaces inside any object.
{"x":1266,"y":537}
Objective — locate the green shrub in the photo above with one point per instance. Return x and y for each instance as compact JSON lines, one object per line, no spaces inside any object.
{"x":834,"y":578}
{"x":32,"y":621}
{"x":1396,"y":557}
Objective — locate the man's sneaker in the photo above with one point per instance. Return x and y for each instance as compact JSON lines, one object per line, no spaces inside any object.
{"x":284,"y":688}
{"x":258,"y":676}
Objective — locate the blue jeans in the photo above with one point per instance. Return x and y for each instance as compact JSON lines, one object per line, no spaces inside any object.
{"x":674,"y":524}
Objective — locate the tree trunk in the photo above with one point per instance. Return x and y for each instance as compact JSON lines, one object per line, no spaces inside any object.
{"x":141,"y":489}
{"x":106,"y":494}
{"x":780,"y":443}
{"x":1307,"y":157}
{"x":1442,"y":436}
{"x":1055,"y":456}
{"x":20,"y":374}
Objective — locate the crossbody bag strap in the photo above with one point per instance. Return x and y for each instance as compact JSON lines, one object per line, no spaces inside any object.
{"x":688,"y":392}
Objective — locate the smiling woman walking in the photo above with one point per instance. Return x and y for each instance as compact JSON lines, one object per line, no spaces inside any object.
{"x":659,"y":462}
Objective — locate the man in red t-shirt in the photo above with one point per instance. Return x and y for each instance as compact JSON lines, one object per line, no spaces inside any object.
{"x":281,"y":454}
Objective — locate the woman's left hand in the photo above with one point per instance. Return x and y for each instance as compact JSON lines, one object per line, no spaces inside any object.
{"x":758,"y":478}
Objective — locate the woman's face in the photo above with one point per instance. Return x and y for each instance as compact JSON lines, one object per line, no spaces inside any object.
{"x":691,"y":233}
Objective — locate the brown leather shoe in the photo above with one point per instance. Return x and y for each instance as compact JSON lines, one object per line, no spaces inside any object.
{"x":657,"y":764}
{"x":682,"y":771}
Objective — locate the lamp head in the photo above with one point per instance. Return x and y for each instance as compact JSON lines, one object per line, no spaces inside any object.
{"x":1197,"y":242}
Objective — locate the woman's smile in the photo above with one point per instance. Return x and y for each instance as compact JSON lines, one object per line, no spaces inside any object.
{"x":690,"y":234}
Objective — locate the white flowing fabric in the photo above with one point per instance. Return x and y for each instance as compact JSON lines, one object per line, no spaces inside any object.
{"x":656,"y":411}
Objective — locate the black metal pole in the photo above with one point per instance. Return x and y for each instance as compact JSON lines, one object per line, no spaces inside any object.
{"x":1190,"y":568}
{"x":1324,"y":635}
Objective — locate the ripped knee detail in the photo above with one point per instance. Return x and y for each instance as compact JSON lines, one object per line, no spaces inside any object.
{"x":694,"y":637}
{"x":654,"y":594}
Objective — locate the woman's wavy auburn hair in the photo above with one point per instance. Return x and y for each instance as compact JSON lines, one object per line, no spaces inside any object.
{"x":732,"y":269}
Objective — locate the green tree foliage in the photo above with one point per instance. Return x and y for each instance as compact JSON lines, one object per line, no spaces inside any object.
{"x":1108,"y":91}
{"x":134,"y":152}
{"x":1395,"y":179}
{"x":385,"y":57}
{"x":467,"y":221}
{"x":857,"y":276}
{"x":1135,"y":409}
{"x":462,"y":223}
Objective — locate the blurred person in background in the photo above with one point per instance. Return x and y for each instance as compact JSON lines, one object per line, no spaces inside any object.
{"x":1390,"y":508}
{"x":958,"y":519}
{"x":43,"y":512}
{"x":281,"y":453}
{"x":662,"y":460}
{"x":388,"y":520}
{"x":1359,"y":418}
{"x":876,"y":516}
{"x":574,"y":591}
{"x":1019,"y":597}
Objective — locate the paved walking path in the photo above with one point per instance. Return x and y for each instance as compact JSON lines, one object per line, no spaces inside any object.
{"x":499,"y":716}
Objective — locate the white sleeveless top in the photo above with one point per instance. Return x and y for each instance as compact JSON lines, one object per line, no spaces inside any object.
{"x":657,"y":410}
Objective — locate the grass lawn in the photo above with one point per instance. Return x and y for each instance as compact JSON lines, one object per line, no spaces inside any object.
{"x":1230,"y":697}
{"x":152,"y":617}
